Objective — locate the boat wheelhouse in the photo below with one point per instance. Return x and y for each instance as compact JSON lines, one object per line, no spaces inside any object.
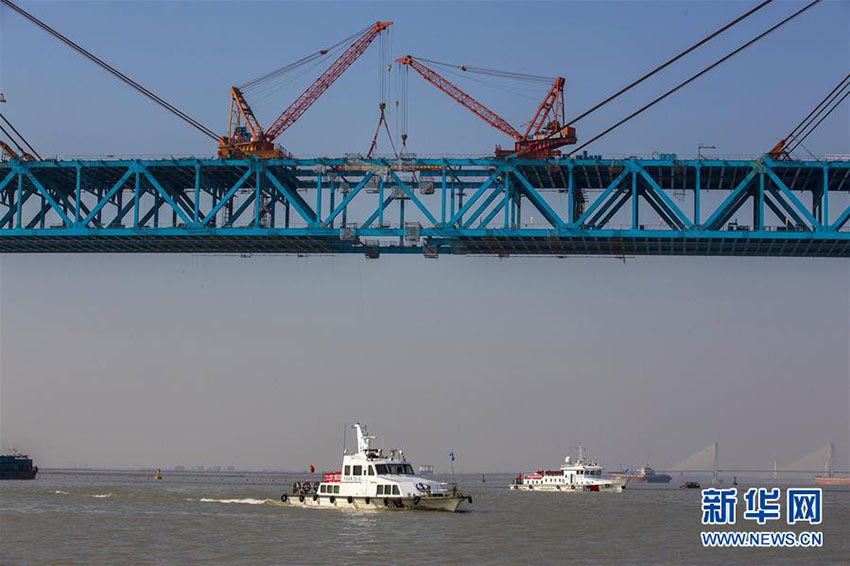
{"x":372,"y":479}
{"x":579,"y":476}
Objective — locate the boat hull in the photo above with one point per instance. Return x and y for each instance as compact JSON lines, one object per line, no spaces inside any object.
{"x":611,"y":488}
{"x":826,"y":480}
{"x":449,"y":504}
{"x":18,"y":474}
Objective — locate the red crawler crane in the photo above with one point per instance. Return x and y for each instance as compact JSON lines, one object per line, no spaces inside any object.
{"x":251,"y":139}
{"x":546,"y":131}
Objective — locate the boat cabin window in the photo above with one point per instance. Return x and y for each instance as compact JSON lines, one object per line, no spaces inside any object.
{"x":371,"y":470}
{"x":347,"y":471}
{"x":323,"y":489}
{"x":358,"y":470}
{"x":395,"y":490}
{"x":381,"y":489}
{"x":382,"y":469}
{"x":400,"y":469}
{"x":336,"y":489}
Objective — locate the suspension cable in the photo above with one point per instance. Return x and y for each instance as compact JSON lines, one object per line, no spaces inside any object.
{"x":815,"y":110}
{"x":12,"y":139}
{"x":663,"y":66}
{"x":23,"y":139}
{"x":797,"y":142}
{"x":696,"y":76}
{"x":170,"y":107}
{"x":787,"y":144}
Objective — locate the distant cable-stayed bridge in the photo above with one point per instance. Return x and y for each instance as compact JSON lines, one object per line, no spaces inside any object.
{"x":475,"y":206}
{"x":707,"y":461}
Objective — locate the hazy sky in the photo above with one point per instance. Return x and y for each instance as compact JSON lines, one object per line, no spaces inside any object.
{"x":258,"y":363}
{"x":161,"y":360}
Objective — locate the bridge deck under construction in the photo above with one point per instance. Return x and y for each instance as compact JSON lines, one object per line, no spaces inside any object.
{"x":482,"y":206}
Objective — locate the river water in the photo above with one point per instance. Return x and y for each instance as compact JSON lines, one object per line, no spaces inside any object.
{"x":112,"y":517}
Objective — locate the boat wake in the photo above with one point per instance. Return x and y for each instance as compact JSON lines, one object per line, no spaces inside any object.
{"x":246,"y":501}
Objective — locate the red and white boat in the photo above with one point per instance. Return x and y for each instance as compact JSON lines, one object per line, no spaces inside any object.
{"x":579,"y":476}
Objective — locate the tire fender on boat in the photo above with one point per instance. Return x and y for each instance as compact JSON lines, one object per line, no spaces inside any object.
{"x":469,"y":498}
{"x":333,"y":499}
{"x":283,"y":498}
{"x":301,"y":498}
{"x":368,"y":501}
{"x":315,"y":497}
{"x":386,"y":501}
{"x":416,"y":500}
{"x":350,"y":500}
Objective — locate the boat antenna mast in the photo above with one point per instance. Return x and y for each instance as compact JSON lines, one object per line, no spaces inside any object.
{"x":364,"y":439}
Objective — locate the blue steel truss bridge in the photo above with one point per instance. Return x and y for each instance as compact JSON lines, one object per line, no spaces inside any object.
{"x":487,"y":206}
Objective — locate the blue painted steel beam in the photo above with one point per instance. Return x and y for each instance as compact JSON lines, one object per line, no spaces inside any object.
{"x":466,"y":211}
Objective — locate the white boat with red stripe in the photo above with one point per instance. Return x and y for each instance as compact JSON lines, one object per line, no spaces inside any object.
{"x":580,"y":476}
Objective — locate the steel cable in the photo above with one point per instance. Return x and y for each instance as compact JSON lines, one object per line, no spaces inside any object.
{"x":170,"y":107}
{"x":797,"y":142}
{"x":23,"y":139}
{"x":669,"y":62}
{"x":698,"y":75}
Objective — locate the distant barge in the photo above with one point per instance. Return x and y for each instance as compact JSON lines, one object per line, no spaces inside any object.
{"x":17,"y":467}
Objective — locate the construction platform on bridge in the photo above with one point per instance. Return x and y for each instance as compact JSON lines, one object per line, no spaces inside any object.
{"x":480,"y":206}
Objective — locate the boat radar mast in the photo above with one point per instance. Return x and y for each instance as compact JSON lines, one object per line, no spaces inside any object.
{"x":364,"y":439}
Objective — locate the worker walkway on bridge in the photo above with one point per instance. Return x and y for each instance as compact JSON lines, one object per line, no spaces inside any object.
{"x":584,"y":206}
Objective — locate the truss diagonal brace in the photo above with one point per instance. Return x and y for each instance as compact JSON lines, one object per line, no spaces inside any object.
{"x":601,"y":198}
{"x":226,"y":197}
{"x":68,"y":222}
{"x":348,"y":198}
{"x":664,"y":200}
{"x":413,"y":198}
{"x":166,"y":197}
{"x":108,"y":196}
{"x":730,"y":204}
{"x":471,"y":202}
{"x":537,"y":200}
{"x":794,"y":200}
{"x":303,"y":209}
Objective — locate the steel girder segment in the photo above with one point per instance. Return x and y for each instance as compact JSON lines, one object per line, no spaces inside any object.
{"x":108,"y":196}
{"x":348,"y":198}
{"x":494,"y":193}
{"x":590,"y":210}
{"x":300,"y":205}
{"x":537,"y":200}
{"x":793,"y":199}
{"x":841,"y":220}
{"x":677,"y":218}
{"x":413,"y":198}
{"x":472,"y":200}
{"x":165,"y":196}
{"x":229,"y":195}
{"x":47,"y":197}
{"x":610,"y":208}
{"x":731,"y":204}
